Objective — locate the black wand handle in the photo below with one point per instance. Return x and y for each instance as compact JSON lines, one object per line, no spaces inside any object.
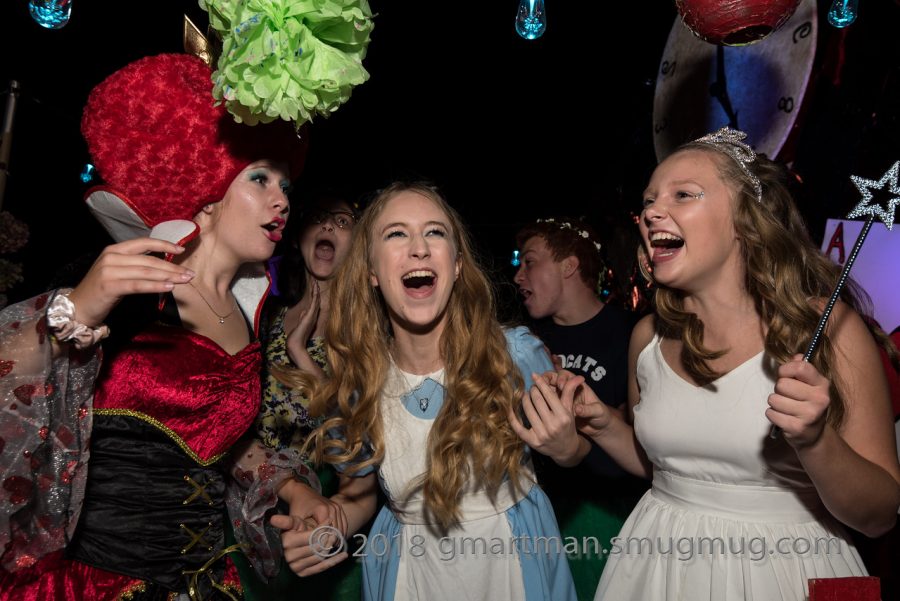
{"x":845,"y":273}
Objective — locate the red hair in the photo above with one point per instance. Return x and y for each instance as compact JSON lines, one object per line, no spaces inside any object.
{"x":156,"y":137}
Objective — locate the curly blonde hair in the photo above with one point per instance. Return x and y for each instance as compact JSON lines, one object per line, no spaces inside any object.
{"x":471,"y":439}
{"x":785,"y":275}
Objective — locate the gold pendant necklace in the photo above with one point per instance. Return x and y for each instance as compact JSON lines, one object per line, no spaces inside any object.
{"x":222,"y":318}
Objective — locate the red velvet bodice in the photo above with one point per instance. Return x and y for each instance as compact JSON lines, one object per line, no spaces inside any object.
{"x":187,"y":384}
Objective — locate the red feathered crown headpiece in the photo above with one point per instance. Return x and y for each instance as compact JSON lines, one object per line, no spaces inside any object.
{"x":164,"y":149}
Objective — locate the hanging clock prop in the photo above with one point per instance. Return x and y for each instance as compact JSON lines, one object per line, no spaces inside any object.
{"x":757,"y":88}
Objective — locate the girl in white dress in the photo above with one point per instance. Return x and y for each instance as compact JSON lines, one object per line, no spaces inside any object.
{"x":423,"y":380}
{"x":733,"y":512}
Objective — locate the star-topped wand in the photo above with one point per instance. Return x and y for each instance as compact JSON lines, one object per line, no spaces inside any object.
{"x":873,"y":210}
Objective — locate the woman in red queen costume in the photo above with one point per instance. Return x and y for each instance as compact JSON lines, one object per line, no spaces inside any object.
{"x":161,"y":411}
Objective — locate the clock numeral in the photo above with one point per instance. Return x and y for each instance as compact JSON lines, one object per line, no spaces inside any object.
{"x":786,"y":104}
{"x":661,"y":126}
{"x":668,"y":68}
{"x":802,"y":31}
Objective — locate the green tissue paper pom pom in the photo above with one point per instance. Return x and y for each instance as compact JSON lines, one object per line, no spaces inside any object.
{"x":288,"y":59}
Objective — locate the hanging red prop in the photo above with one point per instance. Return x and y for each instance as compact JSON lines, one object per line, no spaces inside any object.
{"x":735,"y":22}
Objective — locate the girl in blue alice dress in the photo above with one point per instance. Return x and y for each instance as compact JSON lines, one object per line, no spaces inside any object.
{"x":423,"y":383}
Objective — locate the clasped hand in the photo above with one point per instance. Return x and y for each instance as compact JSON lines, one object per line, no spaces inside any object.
{"x":314,"y":532}
{"x":558,"y":407}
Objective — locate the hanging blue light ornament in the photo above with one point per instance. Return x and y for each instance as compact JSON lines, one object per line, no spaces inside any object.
{"x":515,"y":262}
{"x":843,"y":12}
{"x":531,"y":20}
{"x":87,"y":174}
{"x":52,"y":14}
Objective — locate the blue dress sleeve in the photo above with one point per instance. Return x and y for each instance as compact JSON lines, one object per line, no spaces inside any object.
{"x":364,"y":454}
{"x":527,"y":352}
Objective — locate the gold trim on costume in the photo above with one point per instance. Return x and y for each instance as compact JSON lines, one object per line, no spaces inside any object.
{"x":199,"y":491}
{"x":129,"y":591}
{"x":196,"y":538}
{"x":194,"y":584}
{"x":165,"y":430}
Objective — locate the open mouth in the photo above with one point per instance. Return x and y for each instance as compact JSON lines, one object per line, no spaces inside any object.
{"x":324,"y":250}
{"x":526,"y":293}
{"x":665,"y":240}
{"x":419,"y":280}
{"x":274,"y":229}
{"x":665,"y":246}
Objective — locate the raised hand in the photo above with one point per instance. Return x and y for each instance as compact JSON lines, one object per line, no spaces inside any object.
{"x":122,"y":269}
{"x":306,"y":325}
{"x":800,"y":402}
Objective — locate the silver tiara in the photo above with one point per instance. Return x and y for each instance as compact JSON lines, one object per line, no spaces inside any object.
{"x":731,"y":142}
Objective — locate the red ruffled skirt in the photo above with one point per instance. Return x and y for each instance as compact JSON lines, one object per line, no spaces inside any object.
{"x":55,"y":578}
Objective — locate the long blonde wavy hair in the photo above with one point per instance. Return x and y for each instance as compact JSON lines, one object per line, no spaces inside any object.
{"x":471,"y":439}
{"x":785,"y":275}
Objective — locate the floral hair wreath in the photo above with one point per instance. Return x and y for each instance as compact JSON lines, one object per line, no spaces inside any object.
{"x":565,"y":225}
{"x":602,"y":279}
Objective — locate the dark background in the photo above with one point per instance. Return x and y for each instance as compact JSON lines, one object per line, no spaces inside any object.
{"x":509,"y":129}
